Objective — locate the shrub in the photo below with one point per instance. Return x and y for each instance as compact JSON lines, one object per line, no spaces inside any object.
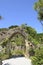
{"x":38,"y":58}
{"x":31,"y":52}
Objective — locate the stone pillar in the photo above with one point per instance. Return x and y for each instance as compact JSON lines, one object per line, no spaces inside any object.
{"x":8,"y":49}
{"x":27,"y":48}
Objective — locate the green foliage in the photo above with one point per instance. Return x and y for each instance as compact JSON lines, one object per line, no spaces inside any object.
{"x":4,"y":56}
{"x":32,"y":36}
{"x":3,"y":29}
{"x":4,"y":42}
{"x":38,"y":58}
{"x":11,"y":27}
{"x":38,"y":6}
{"x":31,"y":31}
{"x":31,"y":52}
{"x":34,"y":60}
{"x":19,"y":52}
{"x":18,"y":39}
{"x":34,"y":41}
{"x":24,"y":26}
{"x":40,"y":37}
{"x":39,"y":53}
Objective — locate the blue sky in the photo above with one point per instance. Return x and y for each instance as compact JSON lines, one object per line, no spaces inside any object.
{"x":17,"y":12}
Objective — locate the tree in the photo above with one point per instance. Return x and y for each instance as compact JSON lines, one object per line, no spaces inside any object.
{"x":38,"y":6}
{"x":24,"y":26}
{"x":38,"y":58}
{"x":11,"y":27}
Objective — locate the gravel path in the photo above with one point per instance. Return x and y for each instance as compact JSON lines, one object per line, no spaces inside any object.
{"x":17,"y":61}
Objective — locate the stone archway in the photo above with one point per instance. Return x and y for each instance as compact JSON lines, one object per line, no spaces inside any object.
{"x":13,"y":32}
